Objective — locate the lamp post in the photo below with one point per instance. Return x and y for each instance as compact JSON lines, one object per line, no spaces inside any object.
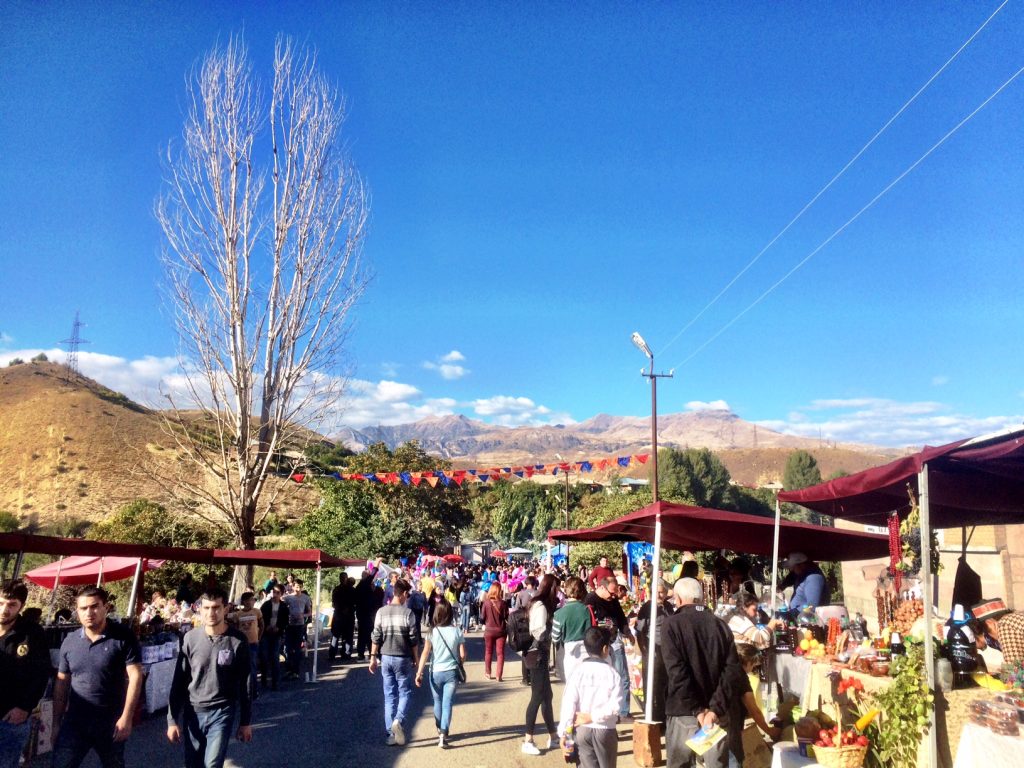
{"x":647,"y":735}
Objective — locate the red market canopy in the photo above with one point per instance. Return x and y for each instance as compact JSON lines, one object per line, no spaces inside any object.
{"x":970,"y":482}
{"x":282,"y":558}
{"x":285,"y":558}
{"x":78,"y":569}
{"x":697,"y":528}
{"x":453,"y":558}
{"x":498,"y":553}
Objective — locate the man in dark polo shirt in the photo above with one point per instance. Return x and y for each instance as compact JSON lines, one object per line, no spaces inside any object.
{"x":92,"y":704}
{"x":210,"y":686}
{"x":24,"y":671}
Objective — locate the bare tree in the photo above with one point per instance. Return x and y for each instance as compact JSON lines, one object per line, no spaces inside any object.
{"x":264,"y":217}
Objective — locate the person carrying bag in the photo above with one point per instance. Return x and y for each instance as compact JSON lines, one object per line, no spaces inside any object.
{"x":445,"y":648}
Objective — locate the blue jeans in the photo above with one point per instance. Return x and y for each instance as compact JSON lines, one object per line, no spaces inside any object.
{"x":464,"y":617}
{"x":442,"y":688}
{"x":85,"y":730}
{"x":206,"y":734}
{"x":254,"y":664}
{"x":12,"y":742}
{"x":679,"y":729}
{"x":619,"y":662}
{"x":397,"y":674}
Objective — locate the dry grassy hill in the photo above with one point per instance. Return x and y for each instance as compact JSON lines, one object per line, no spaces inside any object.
{"x":79,"y":449}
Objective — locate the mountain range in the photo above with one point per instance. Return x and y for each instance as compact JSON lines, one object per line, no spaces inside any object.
{"x":70,"y":446}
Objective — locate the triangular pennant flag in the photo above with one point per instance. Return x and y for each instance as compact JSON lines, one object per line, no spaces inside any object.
{"x":539,"y":467}
{"x":371,"y":477}
{"x":445,"y":479}
{"x":336,"y":475}
{"x":417,"y":479}
{"x":482,"y":478}
{"x":298,"y":477}
{"x":519,"y":473}
{"x":406,"y":477}
{"x":623,"y":461}
{"x":472,"y":472}
{"x":529,"y":471}
{"x":642,"y":457}
{"x":586,"y":466}
{"x":554,"y":471}
{"x":458,"y":479}
{"x":506,"y":470}
{"x":432,"y":481}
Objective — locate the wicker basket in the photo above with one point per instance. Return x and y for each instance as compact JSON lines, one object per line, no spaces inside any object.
{"x":840,"y":757}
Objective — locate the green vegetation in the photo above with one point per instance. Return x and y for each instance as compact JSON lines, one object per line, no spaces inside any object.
{"x":365,"y":519}
{"x":145,"y":522}
{"x":15,"y":361}
{"x":327,"y":458}
{"x":40,"y":358}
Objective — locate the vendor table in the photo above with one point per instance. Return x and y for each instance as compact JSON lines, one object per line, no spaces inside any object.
{"x":811,"y":681}
{"x":157,"y":691}
{"x":981,"y":748}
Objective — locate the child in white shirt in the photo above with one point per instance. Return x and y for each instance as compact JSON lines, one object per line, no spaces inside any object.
{"x":590,"y":704}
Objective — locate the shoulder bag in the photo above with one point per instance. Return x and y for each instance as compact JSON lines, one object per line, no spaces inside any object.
{"x":460,"y":671}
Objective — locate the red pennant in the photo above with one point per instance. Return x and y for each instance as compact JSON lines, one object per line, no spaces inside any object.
{"x":298,"y":477}
{"x":641,"y":457}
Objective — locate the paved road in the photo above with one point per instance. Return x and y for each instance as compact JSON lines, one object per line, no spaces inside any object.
{"x":338,"y":722}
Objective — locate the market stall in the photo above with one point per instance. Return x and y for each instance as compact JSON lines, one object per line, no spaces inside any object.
{"x":969,"y":482}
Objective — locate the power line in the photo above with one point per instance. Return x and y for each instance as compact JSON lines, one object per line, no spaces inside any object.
{"x":853,"y":218}
{"x":833,"y":180}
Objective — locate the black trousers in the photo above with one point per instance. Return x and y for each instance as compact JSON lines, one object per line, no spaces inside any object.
{"x":540,"y":698}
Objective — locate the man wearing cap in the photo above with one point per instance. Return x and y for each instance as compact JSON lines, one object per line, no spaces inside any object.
{"x":807,"y":580}
{"x":1003,"y":628}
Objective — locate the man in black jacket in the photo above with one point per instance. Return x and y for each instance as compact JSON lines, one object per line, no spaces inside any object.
{"x":275,"y":623}
{"x":24,"y":670}
{"x":604,"y":602}
{"x":343,"y":622}
{"x":704,"y":679}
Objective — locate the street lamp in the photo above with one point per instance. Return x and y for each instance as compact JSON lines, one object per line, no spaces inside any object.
{"x":648,"y":732}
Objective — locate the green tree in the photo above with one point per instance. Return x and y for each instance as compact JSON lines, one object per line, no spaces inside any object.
{"x":70,"y":527}
{"x":597,"y":508}
{"x":801,"y":471}
{"x":837,"y":474}
{"x":40,"y":358}
{"x":146,"y":522}
{"x":9,"y":522}
{"x":366,"y":519}
{"x":694,"y":475}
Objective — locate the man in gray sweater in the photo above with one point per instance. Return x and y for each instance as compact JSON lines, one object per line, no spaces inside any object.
{"x":395,"y":650}
{"x":210,"y":687}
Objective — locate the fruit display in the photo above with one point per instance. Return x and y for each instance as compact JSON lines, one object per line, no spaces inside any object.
{"x":809,"y":646}
{"x":906,"y":614}
{"x":835,"y":737}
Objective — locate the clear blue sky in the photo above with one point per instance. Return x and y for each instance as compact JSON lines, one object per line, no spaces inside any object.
{"x":549,"y":177}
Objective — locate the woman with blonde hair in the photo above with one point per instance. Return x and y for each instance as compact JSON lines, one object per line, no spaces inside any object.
{"x":495,"y":616}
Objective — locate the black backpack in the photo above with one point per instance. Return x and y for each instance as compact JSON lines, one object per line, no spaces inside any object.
{"x":519,"y":637}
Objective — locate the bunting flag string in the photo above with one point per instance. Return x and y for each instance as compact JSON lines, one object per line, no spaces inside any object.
{"x":460,"y":476}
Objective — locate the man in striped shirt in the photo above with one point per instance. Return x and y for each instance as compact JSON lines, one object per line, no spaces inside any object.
{"x":395,"y":648}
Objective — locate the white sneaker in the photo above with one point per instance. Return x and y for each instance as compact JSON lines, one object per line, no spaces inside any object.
{"x":398,"y":733}
{"x":529,"y":748}
{"x":551,"y":742}
{"x":442,"y":743}
{"x":390,"y":740}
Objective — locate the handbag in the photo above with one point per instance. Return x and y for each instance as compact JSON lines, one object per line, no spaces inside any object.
{"x":460,"y":671}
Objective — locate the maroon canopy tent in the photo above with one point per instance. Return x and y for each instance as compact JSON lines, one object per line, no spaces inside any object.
{"x":969,"y":482}
{"x":282,"y":558}
{"x":972,"y":482}
{"x":684,"y":527}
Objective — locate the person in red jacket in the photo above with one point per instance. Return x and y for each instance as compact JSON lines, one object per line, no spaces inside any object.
{"x":599,"y":574}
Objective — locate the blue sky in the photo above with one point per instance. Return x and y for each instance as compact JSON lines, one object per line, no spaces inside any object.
{"x":547,"y":178}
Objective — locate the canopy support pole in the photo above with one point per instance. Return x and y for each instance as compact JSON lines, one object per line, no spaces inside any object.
{"x":53,"y":594}
{"x":99,"y":576}
{"x":775,"y":552}
{"x":929,"y":599}
{"x":133,"y":596}
{"x":316,"y":623}
{"x":17,"y":565}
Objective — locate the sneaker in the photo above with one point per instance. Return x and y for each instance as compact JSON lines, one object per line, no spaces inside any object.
{"x":529,"y":748}
{"x":442,"y":742}
{"x":552,"y":742}
{"x":391,"y":741}
{"x":398,"y":733}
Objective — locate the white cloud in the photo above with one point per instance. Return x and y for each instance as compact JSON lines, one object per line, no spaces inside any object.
{"x":885,"y":422}
{"x":714,"y":405}
{"x":940,"y":380}
{"x":447,"y":366}
{"x":508,"y":411}
{"x":390,"y":370}
{"x":5,"y":338}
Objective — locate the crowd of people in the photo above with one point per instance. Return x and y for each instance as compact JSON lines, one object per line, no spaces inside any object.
{"x":412,"y":620}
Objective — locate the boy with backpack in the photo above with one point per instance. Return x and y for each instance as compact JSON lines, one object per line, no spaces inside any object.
{"x":590,"y":705}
